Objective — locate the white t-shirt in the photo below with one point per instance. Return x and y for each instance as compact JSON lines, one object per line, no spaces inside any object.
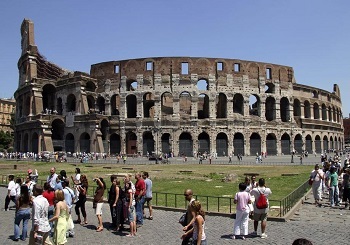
{"x":12,"y":188}
{"x":256,"y":193}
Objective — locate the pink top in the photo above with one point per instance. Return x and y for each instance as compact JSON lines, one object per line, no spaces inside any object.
{"x":242,"y":198}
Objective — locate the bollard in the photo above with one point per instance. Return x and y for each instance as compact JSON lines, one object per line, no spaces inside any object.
{"x":15,"y":166}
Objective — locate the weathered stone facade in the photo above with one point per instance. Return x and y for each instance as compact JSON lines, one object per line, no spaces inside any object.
{"x":171,"y":104}
{"x":7,"y":109}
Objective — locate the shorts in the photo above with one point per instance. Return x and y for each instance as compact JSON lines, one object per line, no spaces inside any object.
{"x":148,"y":200}
{"x":98,"y":209}
{"x":260,"y":217}
{"x":131,"y":214}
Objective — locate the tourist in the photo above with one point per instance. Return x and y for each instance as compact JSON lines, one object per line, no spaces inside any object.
{"x":140,"y":191}
{"x":40,"y":212}
{"x":333,"y":187}
{"x":190,"y":216}
{"x":242,"y":199}
{"x":18,"y":187}
{"x":113,"y":196}
{"x":69,"y":197}
{"x":198,"y":230}
{"x":260,"y":214}
{"x":11,"y":192}
{"x":23,"y":204}
{"x":51,"y":179}
{"x":98,"y":201}
{"x":148,"y":195}
{"x":82,"y":189}
{"x":316,"y":177}
{"x":76,"y":181}
{"x":130,"y":203}
{"x":49,"y":194}
{"x":61,"y":219}
{"x":346,"y":187}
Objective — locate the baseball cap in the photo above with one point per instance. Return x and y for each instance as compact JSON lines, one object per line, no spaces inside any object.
{"x":30,"y":171}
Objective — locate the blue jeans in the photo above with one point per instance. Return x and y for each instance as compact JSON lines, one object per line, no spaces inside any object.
{"x":22,"y":214}
{"x":139,"y":210}
{"x":334,"y":195}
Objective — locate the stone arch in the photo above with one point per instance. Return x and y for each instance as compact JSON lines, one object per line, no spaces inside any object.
{"x":203,"y":106}
{"x":238,"y":144}
{"x":298,"y":143}
{"x":166,"y":146}
{"x":115,"y":144}
{"x":270,"y":88}
{"x":238,"y":104}
{"x":148,"y":105}
{"x":148,"y":143}
{"x":101,"y":105}
{"x":334,"y":115}
{"x":308,"y":143}
{"x":131,"y":143}
{"x":131,"y":106}
{"x":314,"y":94}
{"x":131,"y":85}
{"x":284,"y":109}
{"x":203,"y":143}
{"x":115,"y":104}
{"x":296,"y":108}
{"x":91,"y":103}
{"x":203,"y":84}
{"x":84,"y":142}
{"x":271,"y":144}
{"x":185,"y":144}
{"x":59,"y":106}
{"x":26,"y":142}
{"x":35,"y":142}
{"x":329,"y":113}
{"x":69,"y":143}
{"x":324,"y":112}
{"x":57,"y":130}
{"x":270,"y":109}
{"x":167,"y":104}
{"x":90,"y":86}
{"x":71,"y":103}
{"x":221,"y":144}
{"x":331,"y":143}
{"x":254,"y":105}
{"x":104,"y":129}
{"x":185,"y":99}
{"x":318,"y":148}
{"x":316,"y":111}
{"x":49,"y":97}
{"x":286,"y":144}
{"x":325,"y":143}
{"x":307,"y":109}
{"x":255,"y":144}
{"x":221,"y":106}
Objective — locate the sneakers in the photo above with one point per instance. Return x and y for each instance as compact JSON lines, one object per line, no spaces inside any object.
{"x":263,"y":235}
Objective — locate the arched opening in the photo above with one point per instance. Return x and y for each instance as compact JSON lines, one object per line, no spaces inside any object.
{"x":131,"y":143}
{"x":238,"y":104}
{"x":131,"y":106}
{"x":115,"y":144}
{"x":221,"y":106}
{"x":308,"y":142}
{"x":203,"y":143}
{"x":185,"y":105}
{"x":101,"y":105}
{"x":59,"y":106}
{"x":49,"y":94}
{"x":314,"y":94}
{"x":286,"y":144}
{"x":105,"y":130}
{"x":307,"y":109}
{"x":270,"y":109}
{"x":90,"y":87}
{"x":27,"y":107}
{"x":316,"y":111}
{"x":284,"y":108}
{"x":148,"y":105}
{"x":331,"y":146}
{"x":271,"y":145}
{"x":35,"y":143}
{"x":221,"y":144}
{"x":254,"y":105}
{"x":269,"y":88}
{"x":318,"y":148}
{"x":325,"y":144}
{"x":69,"y":143}
{"x":166,"y":146}
{"x":131,"y":85}
{"x":296,"y":108}
{"x":26,"y":143}
{"x":255,"y":144}
{"x":203,"y":106}
{"x":298,"y":143}
{"x":329,"y":113}
{"x":238,"y":144}
{"x":202,"y":84}
{"x":71,"y":103}
{"x":115,"y":104}
{"x":91,"y":103}
{"x":57,"y":134}
{"x":167,"y":104}
{"x":324,"y":112}
{"x":148,"y":143}
{"x":85,"y":142}
{"x":185,"y":144}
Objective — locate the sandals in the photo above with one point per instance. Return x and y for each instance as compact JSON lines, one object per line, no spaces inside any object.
{"x":99,"y":229}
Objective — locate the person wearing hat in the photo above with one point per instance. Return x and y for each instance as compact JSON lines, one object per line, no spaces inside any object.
{"x":33,"y":176}
{"x":346,"y":187}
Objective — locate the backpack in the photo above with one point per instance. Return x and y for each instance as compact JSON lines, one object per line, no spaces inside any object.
{"x":262,"y":201}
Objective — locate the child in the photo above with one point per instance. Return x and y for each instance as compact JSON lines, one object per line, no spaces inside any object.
{"x":242,"y":199}
{"x":198,"y":234}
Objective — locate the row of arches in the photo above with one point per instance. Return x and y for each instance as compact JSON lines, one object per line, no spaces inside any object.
{"x":316,"y":111}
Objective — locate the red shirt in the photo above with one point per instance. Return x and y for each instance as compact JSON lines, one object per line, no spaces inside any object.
{"x":140,"y":185}
{"x":50,"y":196}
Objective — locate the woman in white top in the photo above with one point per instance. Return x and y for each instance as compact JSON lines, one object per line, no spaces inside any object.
{"x":317,"y":176}
{"x":198,"y":234}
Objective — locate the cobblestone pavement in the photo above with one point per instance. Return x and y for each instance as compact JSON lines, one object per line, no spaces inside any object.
{"x":322,"y":225}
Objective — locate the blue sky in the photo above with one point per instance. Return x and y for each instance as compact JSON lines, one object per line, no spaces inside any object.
{"x":311,"y":36}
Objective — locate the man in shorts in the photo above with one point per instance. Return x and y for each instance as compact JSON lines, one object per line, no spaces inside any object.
{"x":148,"y":195}
{"x":260,"y":214}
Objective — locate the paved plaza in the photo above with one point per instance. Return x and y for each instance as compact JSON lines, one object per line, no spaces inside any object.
{"x":322,"y":225}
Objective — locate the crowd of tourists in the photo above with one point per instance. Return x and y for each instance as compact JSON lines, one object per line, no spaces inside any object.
{"x":51,"y":206}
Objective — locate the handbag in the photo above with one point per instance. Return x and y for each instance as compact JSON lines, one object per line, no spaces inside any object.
{"x":183,"y":219}
{"x":311,"y":181}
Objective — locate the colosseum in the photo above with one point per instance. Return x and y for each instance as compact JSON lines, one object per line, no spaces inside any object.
{"x":179,"y":105}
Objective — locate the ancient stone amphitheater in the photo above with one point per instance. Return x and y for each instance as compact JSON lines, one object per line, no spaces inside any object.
{"x":182,"y":105}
